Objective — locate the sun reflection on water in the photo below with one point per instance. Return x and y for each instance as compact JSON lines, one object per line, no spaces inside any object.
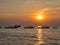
{"x":40,"y":37}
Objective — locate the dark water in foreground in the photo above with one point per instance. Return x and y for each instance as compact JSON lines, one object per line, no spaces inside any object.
{"x":29,"y":36}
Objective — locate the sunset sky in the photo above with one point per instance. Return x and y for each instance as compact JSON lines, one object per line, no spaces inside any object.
{"x":24,"y":12}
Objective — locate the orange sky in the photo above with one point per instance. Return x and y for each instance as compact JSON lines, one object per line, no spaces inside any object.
{"x":24,"y":11}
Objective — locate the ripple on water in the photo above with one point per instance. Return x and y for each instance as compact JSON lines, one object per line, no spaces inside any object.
{"x":45,"y":44}
{"x":56,"y":39}
{"x":50,"y":44}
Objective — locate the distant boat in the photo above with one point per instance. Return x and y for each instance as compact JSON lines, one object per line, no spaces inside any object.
{"x":12,"y":27}
{"x":55,"y":27}
{"x":0,"y":27}
{"x":28,"y":27}
{"x":43,"y":27}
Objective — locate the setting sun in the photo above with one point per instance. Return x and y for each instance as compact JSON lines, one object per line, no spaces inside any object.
{"x":40,"y":17}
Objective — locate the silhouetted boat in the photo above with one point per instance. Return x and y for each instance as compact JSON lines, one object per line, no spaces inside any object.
{"x":55,"y":27}
{"x":0,"y":27}
{"x":43,"y":27}
{"x":28,"y":27}
{"x":12,"y":27}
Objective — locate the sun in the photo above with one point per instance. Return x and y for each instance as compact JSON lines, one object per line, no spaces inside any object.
{"x":40,"y":17}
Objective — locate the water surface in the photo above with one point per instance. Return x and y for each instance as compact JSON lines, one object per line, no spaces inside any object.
{"x":29,"y":36}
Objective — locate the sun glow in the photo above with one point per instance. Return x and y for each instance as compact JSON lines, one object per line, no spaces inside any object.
{"x":40,"y":17}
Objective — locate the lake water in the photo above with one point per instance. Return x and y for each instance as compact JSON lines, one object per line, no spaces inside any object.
{"x":29,"y":36}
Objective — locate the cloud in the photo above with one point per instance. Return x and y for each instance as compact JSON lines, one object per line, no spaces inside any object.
{"x":50,"y":10}
{"x":45,"y":9}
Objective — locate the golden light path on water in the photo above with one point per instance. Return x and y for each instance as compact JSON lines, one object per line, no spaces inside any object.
{"x":40,"y":37}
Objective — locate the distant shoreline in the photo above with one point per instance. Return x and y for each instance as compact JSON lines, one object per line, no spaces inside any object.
{"x":27,"y":27}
